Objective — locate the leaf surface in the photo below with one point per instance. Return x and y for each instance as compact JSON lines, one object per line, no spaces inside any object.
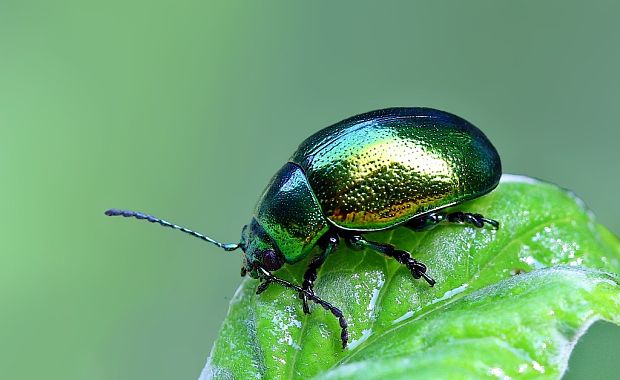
{"x":510,"y":302}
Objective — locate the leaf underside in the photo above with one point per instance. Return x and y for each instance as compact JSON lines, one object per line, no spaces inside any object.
{"x":511,"y":302}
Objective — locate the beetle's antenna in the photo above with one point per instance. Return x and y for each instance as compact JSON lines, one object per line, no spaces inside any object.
{"x":152,"y":219}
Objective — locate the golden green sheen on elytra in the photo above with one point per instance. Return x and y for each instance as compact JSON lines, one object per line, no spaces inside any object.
{"x":382,"y":168}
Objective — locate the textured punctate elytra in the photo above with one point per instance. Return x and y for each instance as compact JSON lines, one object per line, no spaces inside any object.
{"x":380,"y":169}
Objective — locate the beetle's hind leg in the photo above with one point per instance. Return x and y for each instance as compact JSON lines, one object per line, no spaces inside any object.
{"x":417,"y":269}
{"x":315,"y":264}
{"x":428,"y":221}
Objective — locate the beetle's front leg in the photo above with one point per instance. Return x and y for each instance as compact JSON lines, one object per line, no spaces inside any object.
{"x":315,"y":264}
{"x":268,"y":278}
{"x":428,"y":221}
{"x":417,"y":269}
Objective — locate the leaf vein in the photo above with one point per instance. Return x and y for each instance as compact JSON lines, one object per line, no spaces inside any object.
{"x":438,"y":306}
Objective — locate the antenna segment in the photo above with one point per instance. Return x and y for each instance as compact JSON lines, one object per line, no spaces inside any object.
{"x":152,"y":219}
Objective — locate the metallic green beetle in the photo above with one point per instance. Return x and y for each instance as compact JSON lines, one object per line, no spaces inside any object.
{"x":371,"y":172}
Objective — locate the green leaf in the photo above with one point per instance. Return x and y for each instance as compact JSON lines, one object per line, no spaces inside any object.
{"x":510,"y":302}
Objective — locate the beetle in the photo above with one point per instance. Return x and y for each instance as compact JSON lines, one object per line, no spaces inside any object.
{"x":371,"y":172}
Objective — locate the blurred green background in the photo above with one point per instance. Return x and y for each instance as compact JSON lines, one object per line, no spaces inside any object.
{"x":185,"y":109}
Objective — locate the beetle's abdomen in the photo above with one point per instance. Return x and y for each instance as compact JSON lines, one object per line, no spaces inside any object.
{"x":379,"y":169}
{"x":290,"y":213}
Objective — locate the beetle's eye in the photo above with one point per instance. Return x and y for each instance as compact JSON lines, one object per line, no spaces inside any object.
{"x":271,"y":260}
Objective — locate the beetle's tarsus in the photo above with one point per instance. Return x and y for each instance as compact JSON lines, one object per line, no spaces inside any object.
{"x":429,"y":221}
{"x":417,"y":269}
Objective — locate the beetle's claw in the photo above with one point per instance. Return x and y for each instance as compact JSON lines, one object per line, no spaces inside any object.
{"x":491,"y":222}
{"x":479,"y":221}
{"x":418,"y":270}
{"x":263,"y":286}
{"x":476,"y":220}
{"x":429,"y":279}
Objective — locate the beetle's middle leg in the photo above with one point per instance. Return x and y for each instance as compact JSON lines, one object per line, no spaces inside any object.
{"x":315,"y":264}
{"x":416,"y":268}
{"x":428,"y":221}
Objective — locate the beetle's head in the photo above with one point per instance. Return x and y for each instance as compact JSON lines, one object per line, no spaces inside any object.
{"x":259,"y":249}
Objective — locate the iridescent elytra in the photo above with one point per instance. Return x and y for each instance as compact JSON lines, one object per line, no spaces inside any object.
{"x":371,"y":172}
